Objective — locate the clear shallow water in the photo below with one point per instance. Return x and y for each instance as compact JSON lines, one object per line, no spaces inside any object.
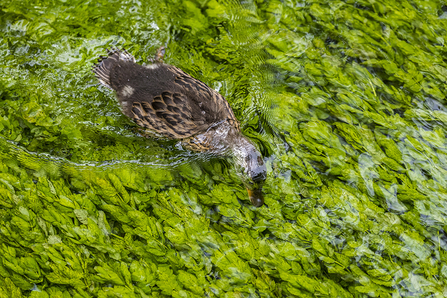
{"x":345,"y":99}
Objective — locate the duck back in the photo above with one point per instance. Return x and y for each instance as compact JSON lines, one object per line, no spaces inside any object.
{"x":161,"y":97}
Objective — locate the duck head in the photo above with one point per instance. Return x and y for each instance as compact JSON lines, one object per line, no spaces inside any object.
{"x":254,"y":172}
{"x":227,"y":140}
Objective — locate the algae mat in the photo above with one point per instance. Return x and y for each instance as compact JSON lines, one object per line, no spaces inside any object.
{"x":346,"y":100}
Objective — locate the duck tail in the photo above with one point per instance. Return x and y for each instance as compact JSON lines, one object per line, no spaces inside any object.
{"x":105,"y":64}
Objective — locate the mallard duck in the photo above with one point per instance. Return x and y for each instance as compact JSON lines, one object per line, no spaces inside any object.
{"x":167,"y":102}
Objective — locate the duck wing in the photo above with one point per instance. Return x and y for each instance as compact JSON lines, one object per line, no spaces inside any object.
{"x":170,"y":114}
{"x":184,"y":108}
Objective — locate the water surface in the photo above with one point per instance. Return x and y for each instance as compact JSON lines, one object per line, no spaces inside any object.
{"x":346,"y":100}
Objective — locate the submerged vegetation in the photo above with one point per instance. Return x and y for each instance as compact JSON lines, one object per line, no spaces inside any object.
{"x":346,"y":100}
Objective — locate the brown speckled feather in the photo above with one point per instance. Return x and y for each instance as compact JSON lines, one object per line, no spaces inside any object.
{"x":163,"y":98}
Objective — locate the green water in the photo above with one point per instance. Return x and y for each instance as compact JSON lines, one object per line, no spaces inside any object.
{"x":346,"y":99}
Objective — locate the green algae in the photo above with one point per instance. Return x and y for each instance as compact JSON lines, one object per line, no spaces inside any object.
{"x":346,"y":100}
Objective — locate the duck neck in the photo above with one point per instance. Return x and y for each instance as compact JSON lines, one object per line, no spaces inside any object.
{"x":230,"y":141}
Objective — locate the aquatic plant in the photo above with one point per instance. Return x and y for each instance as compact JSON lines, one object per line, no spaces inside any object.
{"x":346,"y":99}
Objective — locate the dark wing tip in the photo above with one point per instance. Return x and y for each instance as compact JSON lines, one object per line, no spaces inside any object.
{"x":103,"y":67}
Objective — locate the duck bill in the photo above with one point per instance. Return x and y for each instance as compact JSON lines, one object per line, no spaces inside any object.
{"x":256,"y":197}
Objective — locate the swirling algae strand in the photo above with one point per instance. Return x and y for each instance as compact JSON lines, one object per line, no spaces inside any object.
{"x":41,"y":164}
